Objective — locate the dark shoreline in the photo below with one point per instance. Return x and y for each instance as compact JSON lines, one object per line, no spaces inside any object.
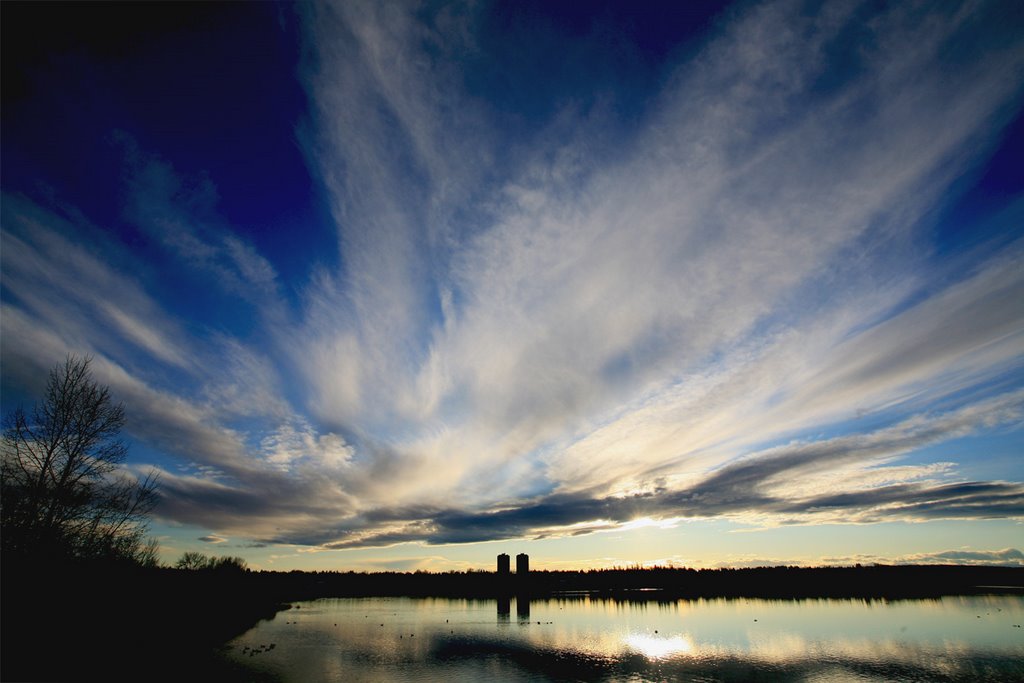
{"x":101,"y":622}
{"x":875,"y":581}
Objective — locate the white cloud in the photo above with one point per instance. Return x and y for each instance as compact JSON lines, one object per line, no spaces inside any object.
{"x":297,"y":443}
{"x":829,"y":371}
{"x":242,"y":381}
{"x":68,"y":288}
{"x":1009,"y":557}
{"x":566,"y":331}
{"x":753,"y":218}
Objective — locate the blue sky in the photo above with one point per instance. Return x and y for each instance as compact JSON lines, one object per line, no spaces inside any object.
{"x":396,"y":285}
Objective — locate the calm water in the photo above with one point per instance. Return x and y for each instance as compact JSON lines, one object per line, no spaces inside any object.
{"x":589,"y":639}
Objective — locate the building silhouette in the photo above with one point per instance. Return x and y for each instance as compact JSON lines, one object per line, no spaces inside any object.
{"x":503,"y":564}
{"x":522,"y":564}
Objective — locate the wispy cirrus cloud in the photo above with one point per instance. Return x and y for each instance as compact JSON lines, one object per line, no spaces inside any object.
{"x":180,"y":214}
{"x":183,"y":393}
{"x":705,"y":309}
{"x":706,"y":244}
{"x":69,"y":288}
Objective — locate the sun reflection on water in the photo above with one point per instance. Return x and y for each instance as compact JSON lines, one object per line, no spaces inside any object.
{"x":659,"y":647}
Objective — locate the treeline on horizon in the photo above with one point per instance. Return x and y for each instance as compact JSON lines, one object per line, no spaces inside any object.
{"x":871,"y":581}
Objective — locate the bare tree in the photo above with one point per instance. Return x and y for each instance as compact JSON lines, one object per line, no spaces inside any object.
{"x":193,"y":560}
{"x":63,"y":489}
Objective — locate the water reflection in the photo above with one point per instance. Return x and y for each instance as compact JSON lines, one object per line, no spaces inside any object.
{"x":504,"y":610}
{"x":522,"y":608}
{"x":581,"y":638}
{"x":659,"y":647}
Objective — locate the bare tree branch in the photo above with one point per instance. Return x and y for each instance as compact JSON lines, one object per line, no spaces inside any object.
{"x":64,"y":491}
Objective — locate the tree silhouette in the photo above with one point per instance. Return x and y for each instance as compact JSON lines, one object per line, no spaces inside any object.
{"x":64,"y":493}
{"x":193,"y":560}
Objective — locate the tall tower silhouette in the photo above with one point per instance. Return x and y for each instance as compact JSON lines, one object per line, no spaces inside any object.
{"x":503,"y":564}
{"x":522,"y":564}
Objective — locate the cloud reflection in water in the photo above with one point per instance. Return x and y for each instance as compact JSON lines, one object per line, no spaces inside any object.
{"x":951,"y":639}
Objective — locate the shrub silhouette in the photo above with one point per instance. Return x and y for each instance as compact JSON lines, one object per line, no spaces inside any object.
{"x":193,"y":561}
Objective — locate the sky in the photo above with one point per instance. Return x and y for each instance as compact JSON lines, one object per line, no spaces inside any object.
{"x":395,"y":285}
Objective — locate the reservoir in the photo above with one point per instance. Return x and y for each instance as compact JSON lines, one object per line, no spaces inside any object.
{"x":586,"y":638}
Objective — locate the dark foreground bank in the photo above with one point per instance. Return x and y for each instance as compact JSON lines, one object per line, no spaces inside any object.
{"x":77,"y":622}
{"x":102,"y":622}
